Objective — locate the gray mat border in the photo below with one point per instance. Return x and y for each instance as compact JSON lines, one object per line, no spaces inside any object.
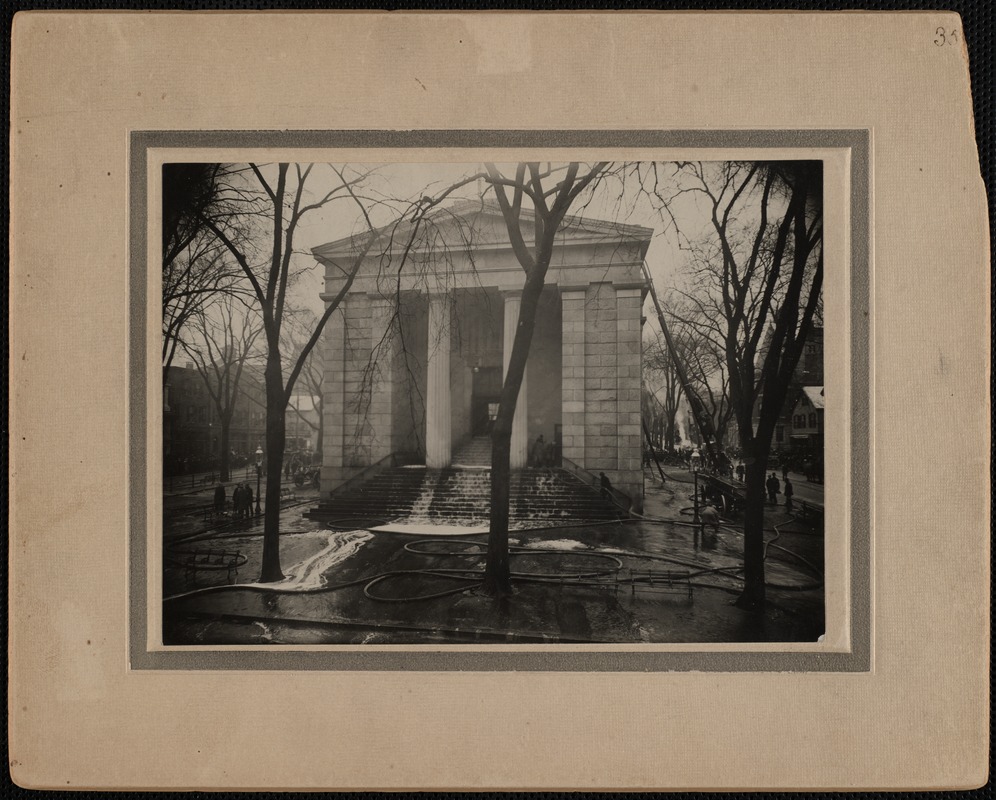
{"x":454,"y":657}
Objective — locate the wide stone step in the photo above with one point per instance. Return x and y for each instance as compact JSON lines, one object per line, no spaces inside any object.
{"x":460,"y":493}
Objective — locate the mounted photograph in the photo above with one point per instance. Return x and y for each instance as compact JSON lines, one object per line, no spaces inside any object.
{"x":408,"y":372}
{"x":547,"y":402}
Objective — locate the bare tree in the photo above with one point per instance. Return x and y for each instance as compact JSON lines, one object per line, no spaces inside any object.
{"x":705,"y":361}
{"x":195,"y":270}
{"x":274,"y":199}
{"x":661,"y":362}
{"x":312,"y":374}
{"x":761,"y":277}
{"x":191,"y":282}
{"x":550,"y":203}
{"x":222,"y":339}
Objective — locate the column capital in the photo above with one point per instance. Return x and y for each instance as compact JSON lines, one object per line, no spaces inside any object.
{"x":330,"y":296}
{"x":510,"y":293}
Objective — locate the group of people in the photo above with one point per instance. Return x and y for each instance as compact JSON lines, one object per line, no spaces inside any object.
{"x":242,"y":501}
{"x":721,"y":463}
{"x":242,"y":497}
{"x":543,"y":453}
{"x":775,"y":488}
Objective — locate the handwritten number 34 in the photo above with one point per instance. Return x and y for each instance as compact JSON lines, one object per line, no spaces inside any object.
{"x":943,"y":36}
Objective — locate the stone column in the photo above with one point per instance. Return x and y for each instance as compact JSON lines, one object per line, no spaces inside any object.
{"x":572,"y":377}
{"x":356,"y":420}
{"x":438,"y":420}
{"x":382,"y":344}
{"x":333,"y":404}
{"x":519,"y":454}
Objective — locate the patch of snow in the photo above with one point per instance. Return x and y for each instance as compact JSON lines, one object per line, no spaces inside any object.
{"x":431,"y":529}
{"x":265,"y":633}
{"x":424,"y":519}
{"x":310,"y":573}
{"x":558,"y":544}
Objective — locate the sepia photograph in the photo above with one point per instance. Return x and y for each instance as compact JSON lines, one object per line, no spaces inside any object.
{"x":493,"y":403}
{"x":499,"y":401}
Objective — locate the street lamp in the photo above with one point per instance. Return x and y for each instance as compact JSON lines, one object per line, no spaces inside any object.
{"x":259,"y":471}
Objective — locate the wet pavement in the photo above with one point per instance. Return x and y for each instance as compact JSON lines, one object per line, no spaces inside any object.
{"x":660,"y":579}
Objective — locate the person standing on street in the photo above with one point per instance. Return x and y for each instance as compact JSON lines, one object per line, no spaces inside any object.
{"x":695,"y":461}
{"x":773,"y":486}
{"x":246,"y":500}
{"x":789,"y":491}
{"x":219,"y":498}
{"x":710,"y":516}
{"x":536,"y":454}
{"x":237,"y":501}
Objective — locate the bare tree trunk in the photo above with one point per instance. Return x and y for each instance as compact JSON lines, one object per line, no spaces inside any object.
{"x":275,"y":441}
{"x":752,"y":597}
{"x":224,"y":457}
{"x":497,"y":575}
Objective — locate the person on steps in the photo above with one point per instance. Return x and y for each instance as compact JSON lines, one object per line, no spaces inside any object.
{"x":606,"y":486}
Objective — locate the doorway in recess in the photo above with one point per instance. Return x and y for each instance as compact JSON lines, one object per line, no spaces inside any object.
{"x":485,"y":394}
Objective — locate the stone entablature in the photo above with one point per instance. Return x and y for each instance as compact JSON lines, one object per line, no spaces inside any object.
{"x":588,"y":251}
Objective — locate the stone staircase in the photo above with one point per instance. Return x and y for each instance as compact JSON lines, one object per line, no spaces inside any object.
{"x":463,"y":496}
{"x":475,"y":452}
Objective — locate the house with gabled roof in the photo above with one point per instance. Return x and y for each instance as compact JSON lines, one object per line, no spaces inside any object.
{"x":807,"y":418}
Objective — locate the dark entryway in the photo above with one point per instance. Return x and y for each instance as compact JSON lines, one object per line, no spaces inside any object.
{"x":485,"y":394}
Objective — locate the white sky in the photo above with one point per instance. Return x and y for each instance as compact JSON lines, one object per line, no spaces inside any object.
{"x":341,"y":217}
{"x":391,"y":185}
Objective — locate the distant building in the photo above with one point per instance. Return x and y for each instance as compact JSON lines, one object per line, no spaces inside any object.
{"x":807,"y":419}
{"x":191,"y":428}
{"x":302,"y":424}
{"x":808,"y":372}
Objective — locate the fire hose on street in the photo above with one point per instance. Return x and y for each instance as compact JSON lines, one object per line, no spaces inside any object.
{"x":469,"y":577}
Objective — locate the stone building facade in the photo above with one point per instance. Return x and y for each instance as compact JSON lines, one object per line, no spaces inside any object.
{"x":415,"y":357}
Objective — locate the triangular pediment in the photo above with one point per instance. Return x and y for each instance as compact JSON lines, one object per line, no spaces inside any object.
{"x":472,"y":224}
